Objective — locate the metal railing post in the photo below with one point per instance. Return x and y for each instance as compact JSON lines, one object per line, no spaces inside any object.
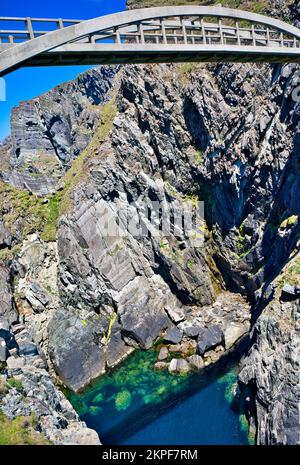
{"x":29,"y":28}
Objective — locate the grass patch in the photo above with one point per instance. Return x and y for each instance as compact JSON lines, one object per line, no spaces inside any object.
{"x":15,"y":383}
{"x":291,"y":274}
{"x":78,"y":171}
{"x":20,"y":431}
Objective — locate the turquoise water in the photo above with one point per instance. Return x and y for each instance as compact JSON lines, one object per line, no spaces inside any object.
{"x":135,"y":404}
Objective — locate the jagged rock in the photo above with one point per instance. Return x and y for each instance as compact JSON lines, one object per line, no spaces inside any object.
{"x":173,"y":336}
{"x":116,"y":349}
{"x":290,"y":292}
{"x":7,"y":310}
{"x":37,"y":395}
{"x":270,"y":374}
{"x":179,"y":365}
{"x":141,"y":311}
{"x":195,"y":362}
{"x":209,"y":338}
{"x":192,"y":331}
{"x":227,"y":134}
{"x":176,"y":315}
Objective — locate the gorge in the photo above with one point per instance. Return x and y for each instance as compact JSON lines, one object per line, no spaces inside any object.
{"x":76,"y":304}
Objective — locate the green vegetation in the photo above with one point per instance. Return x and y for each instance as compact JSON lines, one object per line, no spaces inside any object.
{"x":198,"y":157}
{"x":123,"y":400}
{"x":49,"y":232}
{"x":111,"y":323}
{"x":20,"y":431}
{"x":79,"y":170}
{"x":253,"y":5}
{"x":290,"y":274}
{"x":289,"y":222}
{"x":15,"y":383}
{"x":190,"y":263}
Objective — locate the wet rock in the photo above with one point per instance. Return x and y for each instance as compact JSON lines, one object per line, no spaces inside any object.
{"x":163,"y":354}
{"x":195,"y":362}
{"x":173,"y":336}
{"x":179,"y":365}
{"x":160,"y":365}
{"x":209,"y":338}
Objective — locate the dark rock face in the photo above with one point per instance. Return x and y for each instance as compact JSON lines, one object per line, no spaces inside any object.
{"x":271,"y":374}
{"x":8,"y":312}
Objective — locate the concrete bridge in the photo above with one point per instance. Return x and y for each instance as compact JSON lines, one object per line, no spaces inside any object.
{"x":151,"y":35}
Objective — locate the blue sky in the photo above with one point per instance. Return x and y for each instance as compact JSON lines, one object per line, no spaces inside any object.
{"x":25,"y":83}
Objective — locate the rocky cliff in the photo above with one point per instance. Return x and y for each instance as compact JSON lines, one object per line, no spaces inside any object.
{"x":105,"y":149}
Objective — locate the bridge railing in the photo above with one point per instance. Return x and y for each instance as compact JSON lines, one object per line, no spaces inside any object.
{"x":16,"y":30}
{"x":196,"y":30}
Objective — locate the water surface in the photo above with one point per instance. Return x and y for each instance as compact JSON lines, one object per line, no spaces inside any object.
{"x":135,"y":404}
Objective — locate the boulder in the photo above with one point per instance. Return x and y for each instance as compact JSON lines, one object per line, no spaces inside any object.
{"x":27,"y":348}
{"x":179,"y":365}
{"x":290,"y":292}
{"x":15,"y":363}
{"x":163,"y":354}
{"x":141,"y":309}
{"x":192,"y":331}
{"x":160,"y":365}
{"x":173,"y":336}
{"x":234,"y":331}
{"x":209,"y":338}
{"x":75,"y":348}
{"x":195,"y":362}
{"x":176,"y":315}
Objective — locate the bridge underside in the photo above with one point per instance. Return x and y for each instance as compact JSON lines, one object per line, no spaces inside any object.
{"x":154,"y":35}
{"x":97,"y":55}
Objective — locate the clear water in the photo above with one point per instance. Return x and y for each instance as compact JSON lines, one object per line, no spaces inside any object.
{"x":135,"y":404}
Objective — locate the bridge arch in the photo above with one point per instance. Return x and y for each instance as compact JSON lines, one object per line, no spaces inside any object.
{"x":87,"y":41}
